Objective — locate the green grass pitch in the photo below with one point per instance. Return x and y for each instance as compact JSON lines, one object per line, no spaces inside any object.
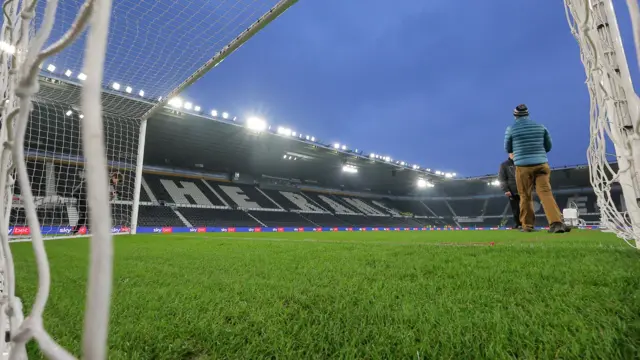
{"x":374,"y":295}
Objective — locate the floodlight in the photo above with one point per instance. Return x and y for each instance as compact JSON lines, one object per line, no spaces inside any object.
{"x":81,"y":116}
{"x":128,"y":89}
{"x":336,"y":146}
{"x":313,"y":139}
{"x":422,"y":183}
{"x":82,"y":77}
{"x":285,"y":156}
{"x":402,"y":163}
{"x":225,"y":115}
{"x":454,"y":174}
{"x":197,"y":108}
{"x":256,"y":124}
{"x":350,"y":169}
{"x":214,"y":113}
{"x":68,"y":73}
{"x":438,"y":172}
{"x":115,"y":86}
{"x":188,"y":105}
{"x":176,"y":102}
{"x":69,"y":112}
{"x":344,"y":147}
{"x":448,"y":175}
{"x":51,"y":68}
{"x":284,"y":131}
{"x":307,"y":137}
{"x":293,"y":133}
{"x":373,"y":156}
{"x":141,"y":93}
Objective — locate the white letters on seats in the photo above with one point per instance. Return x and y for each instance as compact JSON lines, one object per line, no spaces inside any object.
{"x":337,"y":207}
{"x":393,"y":212}
{"x":241,"y":199}
{"x":300,"y":201}
{"x":364,"y":207}
{"x":581,"y":203}
{"x":188,"y":188}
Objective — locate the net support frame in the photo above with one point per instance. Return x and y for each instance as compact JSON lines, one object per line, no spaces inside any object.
{"x":614,"y":112}
{"x":217,"y":58}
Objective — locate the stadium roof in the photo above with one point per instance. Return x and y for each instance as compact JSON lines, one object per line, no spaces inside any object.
{"x":185,"y":139}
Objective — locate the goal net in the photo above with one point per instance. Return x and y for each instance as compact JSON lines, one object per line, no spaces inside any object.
{"x":79,"y":80}
{"x":614,"y":112}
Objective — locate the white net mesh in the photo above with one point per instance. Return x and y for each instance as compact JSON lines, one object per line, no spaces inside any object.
{"x":56,"y":170}
{"x":613,"y":115}
{"x":159,"y":48}
{"x":154,"y":45}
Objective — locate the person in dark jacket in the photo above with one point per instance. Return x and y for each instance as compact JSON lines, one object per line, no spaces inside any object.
{"x":80,"y":193}
{"x":530,"y":142}
{"x":507,"y":178}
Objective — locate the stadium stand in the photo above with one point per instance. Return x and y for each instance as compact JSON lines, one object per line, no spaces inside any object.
{"x":218,"y":217}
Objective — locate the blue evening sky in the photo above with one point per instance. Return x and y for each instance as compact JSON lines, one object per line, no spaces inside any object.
{"x":428,"y":82}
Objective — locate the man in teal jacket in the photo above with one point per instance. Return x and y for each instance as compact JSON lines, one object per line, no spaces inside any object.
{"x":530,"y":142}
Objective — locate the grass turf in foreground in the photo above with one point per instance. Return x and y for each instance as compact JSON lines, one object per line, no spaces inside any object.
{"x":353,"y":295}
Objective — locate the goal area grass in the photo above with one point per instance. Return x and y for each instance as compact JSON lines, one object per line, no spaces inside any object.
{"x":366,"y":295}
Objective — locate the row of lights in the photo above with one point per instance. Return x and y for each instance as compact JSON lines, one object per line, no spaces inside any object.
{"x":289,"y":157}
{"x":252,"y":123}
{"x":82,"y":77}
{"x":495,"y":183}
{"x":350,"y":169}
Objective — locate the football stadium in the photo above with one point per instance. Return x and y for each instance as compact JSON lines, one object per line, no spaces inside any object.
{"x":230,"y":237}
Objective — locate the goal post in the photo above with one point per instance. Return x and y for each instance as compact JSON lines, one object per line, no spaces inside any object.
{"x":216,"y":59}
{"x":78,"y":87}
{"x":614,"y":112}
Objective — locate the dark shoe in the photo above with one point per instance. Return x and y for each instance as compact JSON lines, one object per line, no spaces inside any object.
{"x":557,"y":228}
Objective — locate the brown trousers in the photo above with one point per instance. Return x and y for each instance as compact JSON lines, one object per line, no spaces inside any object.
{"x":526,"y":178}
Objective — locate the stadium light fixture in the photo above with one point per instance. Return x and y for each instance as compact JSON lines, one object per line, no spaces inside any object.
{"x":115,"y":86}
{"x":284,"y":131}
{"x":402,"y":163}
{"x":141,"y":93}
{"x":82,"y":77}
{"x":69,"y":113}
{"x":344,"y":147}
{"x":214,"y":113}
{"x":448,"y":175}
{"x":51,"y":68}
{"x":188,"y":105}
{"x":81,"y":116}
{"x":68,"y":73}
{"x":336,"y":146}
{"x":293,"y":133}
{"x":197,"y":108}
{"x":454,"y":174}
{"x":128,"y":89}
{"x":225,"y":115}
{"x":422,"y":184}
{"x":350,"y":169}
{"x":495,"y":183}
{"x":307,"y":137}
{"x":284,"y":156}
{"x":372,"y":155}
{"x":438,"y":172}
{"x":313,"y":139}
{"x":176,"y":103}
{"x":256,"y":124}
